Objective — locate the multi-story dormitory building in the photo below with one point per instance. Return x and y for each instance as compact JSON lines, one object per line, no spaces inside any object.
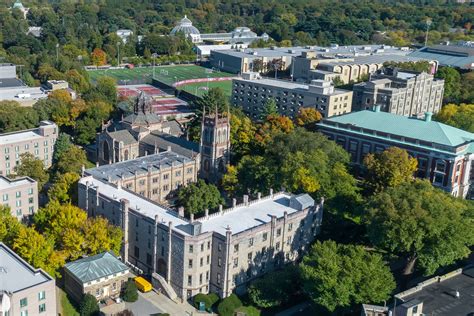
{"x":399,"y":92}
{"x":38,"y":141}
{"x":251,"y":92}
{"x":153,"y":176}
{"x":218,"y":252}
{"x":20,"y":194}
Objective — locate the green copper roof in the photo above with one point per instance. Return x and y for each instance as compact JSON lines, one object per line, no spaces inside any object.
{"x":96,"y":267}
{"x":429,"y":131}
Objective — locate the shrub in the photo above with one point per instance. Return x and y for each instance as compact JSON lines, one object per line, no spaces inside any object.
{"x":130,"y":292}
{"x":228,"y":305}
{"x":209,"y":300}
{"x":89,"y":306}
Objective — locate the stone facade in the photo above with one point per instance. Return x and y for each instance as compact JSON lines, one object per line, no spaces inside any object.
{"x":20,"y":194}
{"x":197,"y":255}
{"x":39,"y":142}
{"x":156,"y":177}
{"x":400,"y":92}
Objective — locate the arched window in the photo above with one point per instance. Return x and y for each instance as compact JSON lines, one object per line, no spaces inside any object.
{"x":125,"y":154}
{"x":106,"y":151}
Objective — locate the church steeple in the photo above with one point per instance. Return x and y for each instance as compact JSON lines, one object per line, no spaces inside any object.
{"x":143,"y":104}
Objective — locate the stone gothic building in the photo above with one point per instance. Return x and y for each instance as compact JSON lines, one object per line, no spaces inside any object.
{"x":140,"y":134}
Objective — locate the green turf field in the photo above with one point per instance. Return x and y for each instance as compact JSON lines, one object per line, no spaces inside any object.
{"x":202,"y":87}
{"x":166,"y":74}
{"x":169,"y":75}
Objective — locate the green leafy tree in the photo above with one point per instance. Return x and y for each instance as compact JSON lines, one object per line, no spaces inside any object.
{"x":63,"y":143}
{"x":38,"y":250}
{"x":275,"y":288}
{"x":389,"y":168}
{"x":230,"y":180}
{"x":72,"y":160}
{"x":423,"y":224}
{"x":130,"y":291}
{"x":33,"y":168}
{"x":213,"y":99}
{"x":410,"y":65}
{"x":64,"y":188}
{"x":208,"y":299}
{"x":77,"y":81}
{"x":14,"y":117}
{"x":337,"y":276}
{"x":460,"y":116}
{"x":452,"y":83}
{"x":196,"y":197}
{"x":270,"y":108}
{"x":9,"y":226}
{"x":89,"y":306}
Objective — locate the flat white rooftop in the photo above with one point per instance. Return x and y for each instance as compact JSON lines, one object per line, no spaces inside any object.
{"x":242,"y":217}
{"x":22,"y":136}
{"x":237,"y":219}
{"x":6,"y":183}
{"x":16,"y":274}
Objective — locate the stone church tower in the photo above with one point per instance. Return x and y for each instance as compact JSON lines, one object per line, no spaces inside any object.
{"x":215,"y":145}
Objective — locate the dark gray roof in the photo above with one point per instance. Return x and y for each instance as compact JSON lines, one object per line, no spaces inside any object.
{"x":123,"y":136}
{"x":174,"y":127}
{"x":11,"y":83}
{"x":142,"y":119}
{"x":439,"y":298}
{"x":127,"y":169}
{"x":96,"y":267}
{"x":178,"y":145}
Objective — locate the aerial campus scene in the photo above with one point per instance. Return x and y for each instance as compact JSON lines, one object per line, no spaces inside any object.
{"x":236,"y":158}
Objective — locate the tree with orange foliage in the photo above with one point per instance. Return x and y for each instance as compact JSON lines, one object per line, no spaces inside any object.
{"x":274,"y":124}
{"x":308,"y":116}
{"x":98,"y":57}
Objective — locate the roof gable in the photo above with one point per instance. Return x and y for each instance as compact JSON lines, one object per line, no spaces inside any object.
{"x":96,"y":267}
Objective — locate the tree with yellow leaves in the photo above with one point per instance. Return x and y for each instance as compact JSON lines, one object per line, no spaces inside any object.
{"x":308,"y":116}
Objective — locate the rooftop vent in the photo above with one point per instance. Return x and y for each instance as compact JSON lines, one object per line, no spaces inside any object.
{"x":428,"y":116}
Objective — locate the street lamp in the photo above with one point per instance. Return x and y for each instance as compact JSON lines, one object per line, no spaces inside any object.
{"x":154,"y":56}
{"x":428,"y":23}
{"x":118,"y":54}
{"x":57,"y":52}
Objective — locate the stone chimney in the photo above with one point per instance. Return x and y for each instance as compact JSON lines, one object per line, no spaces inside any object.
{"x":259,"y":195}
{"x":206,"y":212}
{"x":271,"y":192}
{"x":191,"y":218}
{"x":234,"y":202}
{"x":246,"y":199}
{"x":221,"y":208}
{"x":181,"y":211}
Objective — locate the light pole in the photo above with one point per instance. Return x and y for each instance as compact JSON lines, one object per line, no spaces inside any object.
{"x":57,"y":52}
{"x":428,"y":23}
{"x":154,"y":56}
{"x":118,"y":54}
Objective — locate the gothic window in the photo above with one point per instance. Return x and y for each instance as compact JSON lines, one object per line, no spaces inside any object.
{"x":125,"y":154}
{"x":106,"y":151}
{"x":206,"y":165}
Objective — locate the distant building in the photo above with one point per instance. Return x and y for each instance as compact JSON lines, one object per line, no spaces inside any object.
{"x":53,"y":85}
{"x":348,"y":67}
{"x":251,"y":93}
{"x":239,"y":35}
{"x":24,"y":290}
{"x":204,"y":51}
{"x":448,"y":294}
{"x":400,"y":92}
{"x":13,"y":89}
{"x":124,"y":35}
{"x":459,"y":55}
{"x":38,"y":141}
{"x":19,"y":6}
{"x":219,"y":252}
{"x":102,"y":276}
{"x":155,"y":176}
{"x":445,"y":154}
{"x":35,"y":31}
{"x":20,"y":194}
{"x":308,"y":58}
{"x":141,"y":133}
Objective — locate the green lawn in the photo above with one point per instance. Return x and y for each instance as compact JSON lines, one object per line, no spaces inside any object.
{"x":66,"y":305}
{"x":202,"y":87}
{"x":166,"y":74}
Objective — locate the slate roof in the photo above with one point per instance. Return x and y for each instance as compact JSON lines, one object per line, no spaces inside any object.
{"x":123,"y":136}
{"x":431,"y":131}
{"x":128,"y":168}
{"x":142,"y":119}
{"x":96,"y":267}
{"x":178,"y":145}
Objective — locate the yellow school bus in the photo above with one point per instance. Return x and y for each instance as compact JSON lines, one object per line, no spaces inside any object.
{"x":142,"y":284}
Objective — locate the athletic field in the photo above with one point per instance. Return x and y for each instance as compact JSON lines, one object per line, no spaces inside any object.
{"x":171,"y":75}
